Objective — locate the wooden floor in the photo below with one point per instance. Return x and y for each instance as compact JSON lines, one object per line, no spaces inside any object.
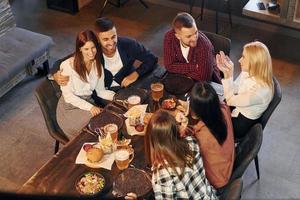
{"x":25,"y":144}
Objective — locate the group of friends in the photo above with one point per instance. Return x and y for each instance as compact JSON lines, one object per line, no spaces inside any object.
{"x":192,"y":166}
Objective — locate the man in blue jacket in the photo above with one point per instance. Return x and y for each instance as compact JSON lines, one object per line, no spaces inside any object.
{"x":118,"y":56}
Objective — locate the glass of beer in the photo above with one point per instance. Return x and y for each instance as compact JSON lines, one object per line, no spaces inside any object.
{"x":157,"y":91}
{"x":112,"y":130}
{"x":123,"y":157}
{"x":133,"y":100}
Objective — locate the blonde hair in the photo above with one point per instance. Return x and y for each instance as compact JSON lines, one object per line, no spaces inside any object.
{"x":163,"y":145}
{"x":260,"y":62}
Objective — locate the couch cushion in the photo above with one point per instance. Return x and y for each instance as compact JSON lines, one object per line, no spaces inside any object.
{"x":19,"y":47}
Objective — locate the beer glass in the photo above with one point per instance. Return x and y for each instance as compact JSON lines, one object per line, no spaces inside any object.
{"x":157,"y":91}
{"x":112,"y":130}
{"x":123,"y":157}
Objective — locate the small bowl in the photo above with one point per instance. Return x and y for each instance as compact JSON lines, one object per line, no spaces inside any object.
{"x":90,"y":183}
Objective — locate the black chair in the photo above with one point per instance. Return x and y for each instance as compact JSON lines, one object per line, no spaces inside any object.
{"x":267,"y":114}
{"x":118,"y":4}
{"x":48,"y":98}
{"x":233,"y":190}
{"x":217,"y":9}
{"x":246,"y":150}
{"x":219,"y":42}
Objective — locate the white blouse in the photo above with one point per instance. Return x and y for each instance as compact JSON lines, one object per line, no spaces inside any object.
{"x":77,"y":87}
{"x":249,"y":97}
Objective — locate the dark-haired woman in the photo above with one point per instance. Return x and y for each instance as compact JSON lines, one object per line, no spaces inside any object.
{"x":214,"y":133}
{"x":76,"y":106}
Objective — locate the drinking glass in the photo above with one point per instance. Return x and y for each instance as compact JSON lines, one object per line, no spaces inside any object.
{"x":123,"y":157}
{"x":157,"y":91}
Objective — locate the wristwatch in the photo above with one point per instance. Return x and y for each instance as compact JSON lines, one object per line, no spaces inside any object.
{"x":50,"y":77}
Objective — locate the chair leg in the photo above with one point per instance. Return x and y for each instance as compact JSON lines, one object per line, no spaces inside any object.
{"x":144,"y":4}
{"x":257,"y":166}
{"x":103,"y":7}
{"x":202,"y":6}
{"x":191,"y":3}
{"x":217,"y":16}
{"x":229,"y":12}
{"x":56,"y":146}
{"x":46,"y":67}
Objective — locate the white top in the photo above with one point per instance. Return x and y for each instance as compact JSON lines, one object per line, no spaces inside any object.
{"x":77,"y":87}
{"x":250,"y":98}
{"x":113,"y":64}
{"x":185,"y":52}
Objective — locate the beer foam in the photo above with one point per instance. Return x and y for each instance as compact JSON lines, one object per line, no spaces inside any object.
{"x":134,"y":99}
{"x":122,"y":155}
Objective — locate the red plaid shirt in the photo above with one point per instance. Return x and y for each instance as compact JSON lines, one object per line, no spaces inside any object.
{"x":202,"y":64}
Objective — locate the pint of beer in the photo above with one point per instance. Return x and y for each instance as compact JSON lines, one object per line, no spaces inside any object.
{"x":112,"y":130}
{"x":123,"y":157}
{"x":157,"y":91}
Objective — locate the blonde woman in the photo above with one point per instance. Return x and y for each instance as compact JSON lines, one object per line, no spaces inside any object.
{"x":177,"y":165}
{"x":252,"y":91}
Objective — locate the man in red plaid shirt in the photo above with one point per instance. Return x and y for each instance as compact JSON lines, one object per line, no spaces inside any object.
{"x":188,"y":51}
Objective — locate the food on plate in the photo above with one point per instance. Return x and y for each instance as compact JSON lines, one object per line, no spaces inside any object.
{"x":106,"y":144}
{"x":94,"y":154}
{"x":139,"y":127}
{"x":168,"y":104}
{"x":147,"y":118}
{"x":123,"y":142}
{"x":86,"y":147}
{"x":183,"y":107}
{"x":180,"y":118}
{"x":90,"y":183}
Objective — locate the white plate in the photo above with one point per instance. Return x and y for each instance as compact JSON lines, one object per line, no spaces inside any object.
{"x":131,"y":129}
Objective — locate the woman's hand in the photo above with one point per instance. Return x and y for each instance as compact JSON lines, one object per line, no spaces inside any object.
{"x":130,"y":196}
{"x":225,"y":65}
{"x":96,"y":110}
{"x":60,"y":79}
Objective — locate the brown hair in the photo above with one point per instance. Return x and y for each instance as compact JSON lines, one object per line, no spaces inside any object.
{"x":260,"y":62}
{"x":79,"y":64}
{"x":163,"y":145}
{"x":183,"y":19}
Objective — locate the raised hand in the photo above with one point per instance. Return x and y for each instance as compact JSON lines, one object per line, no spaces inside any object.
{"x":225,"y":65}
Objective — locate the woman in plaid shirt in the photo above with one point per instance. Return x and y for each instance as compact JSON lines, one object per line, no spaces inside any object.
{"x":177,"y":165}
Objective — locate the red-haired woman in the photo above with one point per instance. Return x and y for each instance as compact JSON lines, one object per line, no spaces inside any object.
{"x":86,"y":74}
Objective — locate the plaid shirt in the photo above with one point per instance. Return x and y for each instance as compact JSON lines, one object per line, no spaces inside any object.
{"x":202,"y":64}
{"x":193,"y":185}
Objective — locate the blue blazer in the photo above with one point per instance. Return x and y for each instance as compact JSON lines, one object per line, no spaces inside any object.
{"x":130,"y":50}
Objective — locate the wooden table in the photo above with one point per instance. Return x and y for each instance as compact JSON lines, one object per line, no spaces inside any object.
{"x":58,"y":175}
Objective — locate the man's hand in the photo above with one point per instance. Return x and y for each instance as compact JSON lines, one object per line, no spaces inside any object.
{"x":96,"y":110}
{"x":131,"y":78}
{"x":60,"y":79}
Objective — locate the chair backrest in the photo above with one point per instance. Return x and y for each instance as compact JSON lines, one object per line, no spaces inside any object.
{"x":219,"y":42}
{"x":273,"y":104}
{"x":233,"y":190}
{"x":246,"y":151}
{"x":47,"y":99}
